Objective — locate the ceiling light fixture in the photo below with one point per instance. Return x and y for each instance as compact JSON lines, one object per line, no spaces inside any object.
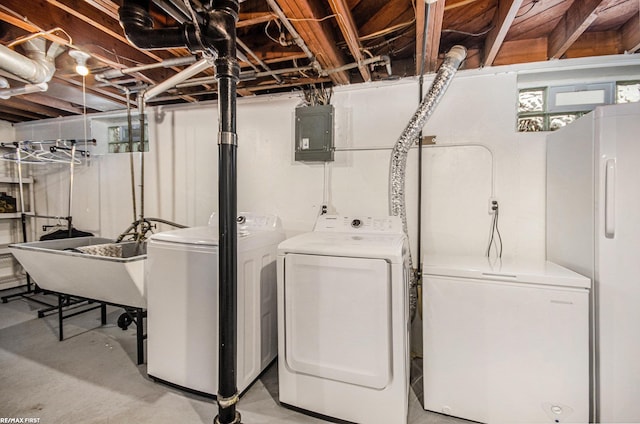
{"x":81,"y":61}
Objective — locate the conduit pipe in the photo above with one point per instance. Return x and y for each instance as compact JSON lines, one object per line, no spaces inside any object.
{"x":172,"y":81}
{"x":250,"y":75}
{"x":397,"y":204}
{"x":26,"y":89}
{"x":167,"y":63}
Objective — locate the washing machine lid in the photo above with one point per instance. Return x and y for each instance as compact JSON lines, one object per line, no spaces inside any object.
{"x":508,"y":270}
{"x":208,"y":236}
{"x":391,"y":247}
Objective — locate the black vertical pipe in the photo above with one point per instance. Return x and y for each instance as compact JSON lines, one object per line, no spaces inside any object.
{"x":227,"y":74}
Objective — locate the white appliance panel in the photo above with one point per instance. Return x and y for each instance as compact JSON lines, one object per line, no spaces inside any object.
{"x":183,"y":310}
{"x":499,"y":352}
{"x":336,"y":302}
{"x":178,"y":352}
{"x":618,"y":265}
{"x":594,"y":230}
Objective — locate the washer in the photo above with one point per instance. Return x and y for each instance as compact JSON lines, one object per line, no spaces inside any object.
{"x":505,"y":341}
{"x":343,"y":318}
{"x":182,"y":301}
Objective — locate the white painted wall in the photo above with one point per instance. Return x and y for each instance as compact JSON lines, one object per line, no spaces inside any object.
{"x":181,"y":168}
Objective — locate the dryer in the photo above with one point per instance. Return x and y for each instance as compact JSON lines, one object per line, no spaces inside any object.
{"x":343,"y":320}
{"x":182,"y":303}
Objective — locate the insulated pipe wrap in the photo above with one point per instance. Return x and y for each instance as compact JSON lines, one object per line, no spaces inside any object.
{"x":397,"y":204}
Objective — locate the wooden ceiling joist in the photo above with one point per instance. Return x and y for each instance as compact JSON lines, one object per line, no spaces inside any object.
{"x":250,"y":19}
{"x":306,"y":18}
{"x":434,"y":32}
{"x":575,"y":21}
{"x":350,"y":34}
{"x":504,"y":17}
{"x":631,"y":34}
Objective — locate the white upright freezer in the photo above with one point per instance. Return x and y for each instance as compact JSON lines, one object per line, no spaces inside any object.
{"x":505,"y":341}
{"x":593,"y":227}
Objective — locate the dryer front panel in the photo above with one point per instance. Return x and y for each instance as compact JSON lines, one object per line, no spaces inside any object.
{"x":338,"y":318}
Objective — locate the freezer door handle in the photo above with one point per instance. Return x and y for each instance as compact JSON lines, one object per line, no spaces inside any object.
{"x":610,"y":199}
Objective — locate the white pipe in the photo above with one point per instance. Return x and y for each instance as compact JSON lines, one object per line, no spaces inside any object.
{"x":167,"y":63}
{"x":187,"y":73}
{"x":26,"y":89}
{"x":37,"y":70}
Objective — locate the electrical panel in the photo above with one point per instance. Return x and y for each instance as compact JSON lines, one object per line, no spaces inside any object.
{"x":314,"y":134}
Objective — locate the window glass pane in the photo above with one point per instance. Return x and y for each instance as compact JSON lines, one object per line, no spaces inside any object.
{"x":531,"y":124}
{"x":559,"y":121}
{"x":628,"y":93}
{"x":531,"y":101}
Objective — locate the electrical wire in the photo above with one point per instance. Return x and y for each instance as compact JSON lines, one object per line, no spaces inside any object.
{"x":533,"y":3}
{"x":495,"y":238}
{"x":470,"y":34}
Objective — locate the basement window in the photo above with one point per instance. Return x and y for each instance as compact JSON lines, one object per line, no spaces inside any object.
{"x":119,"y":138}
{"x":551,"y":108}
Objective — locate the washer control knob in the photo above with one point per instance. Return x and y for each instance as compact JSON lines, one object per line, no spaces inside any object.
{"x":556,"y":409}
{"x":356,"y":223}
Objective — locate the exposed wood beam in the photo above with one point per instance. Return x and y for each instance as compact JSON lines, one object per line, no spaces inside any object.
{"x":350,"y":34}
{"x":27,"y":106}
{"x":575,"y":21}
{"x":45,"y":100}
{"x":507,"y":11}
{"x":420,"y":18}
{"x":631,"y":34}
{"x":305,"y":16}
{"x":436,"y":15}
{"x":250,"y":19}
{"x":522,"y":51}
{"x":596,"y":44}
{"x":15,"y":115}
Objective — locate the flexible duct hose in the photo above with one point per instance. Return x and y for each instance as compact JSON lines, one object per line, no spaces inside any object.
{"x":397,"y":204}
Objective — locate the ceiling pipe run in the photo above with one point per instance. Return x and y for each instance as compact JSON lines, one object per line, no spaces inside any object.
{"x":167,"y":63}
{"x":26,"y":89}
{"x":37,"y":67}
{"x":187,"y":73}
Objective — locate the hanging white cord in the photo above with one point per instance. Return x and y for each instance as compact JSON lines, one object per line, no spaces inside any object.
{"x":20,"y":177}
{"x":84,"y":112}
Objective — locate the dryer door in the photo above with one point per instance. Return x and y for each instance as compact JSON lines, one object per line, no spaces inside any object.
{"x":338,"y":318}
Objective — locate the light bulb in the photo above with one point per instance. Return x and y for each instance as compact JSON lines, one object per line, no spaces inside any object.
{"x":82,"y":70}
{"x":81,"y":61}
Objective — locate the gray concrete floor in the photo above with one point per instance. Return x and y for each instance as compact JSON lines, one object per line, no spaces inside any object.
{"x":92,"y":377}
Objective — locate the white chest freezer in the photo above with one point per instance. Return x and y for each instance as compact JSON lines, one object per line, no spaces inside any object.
{"x":505,"y":341}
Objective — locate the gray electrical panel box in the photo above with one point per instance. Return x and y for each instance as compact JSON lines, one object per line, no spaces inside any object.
{"x":314,"y":133}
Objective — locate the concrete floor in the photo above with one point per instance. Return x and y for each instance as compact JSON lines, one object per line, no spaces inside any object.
{"x":92,"y":377}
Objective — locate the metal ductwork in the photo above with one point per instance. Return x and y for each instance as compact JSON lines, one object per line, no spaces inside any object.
{"x":36,"y":67}
{"x":397,"y":204}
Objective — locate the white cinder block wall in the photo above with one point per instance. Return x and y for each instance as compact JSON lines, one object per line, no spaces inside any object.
{"x":181,"y":168}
